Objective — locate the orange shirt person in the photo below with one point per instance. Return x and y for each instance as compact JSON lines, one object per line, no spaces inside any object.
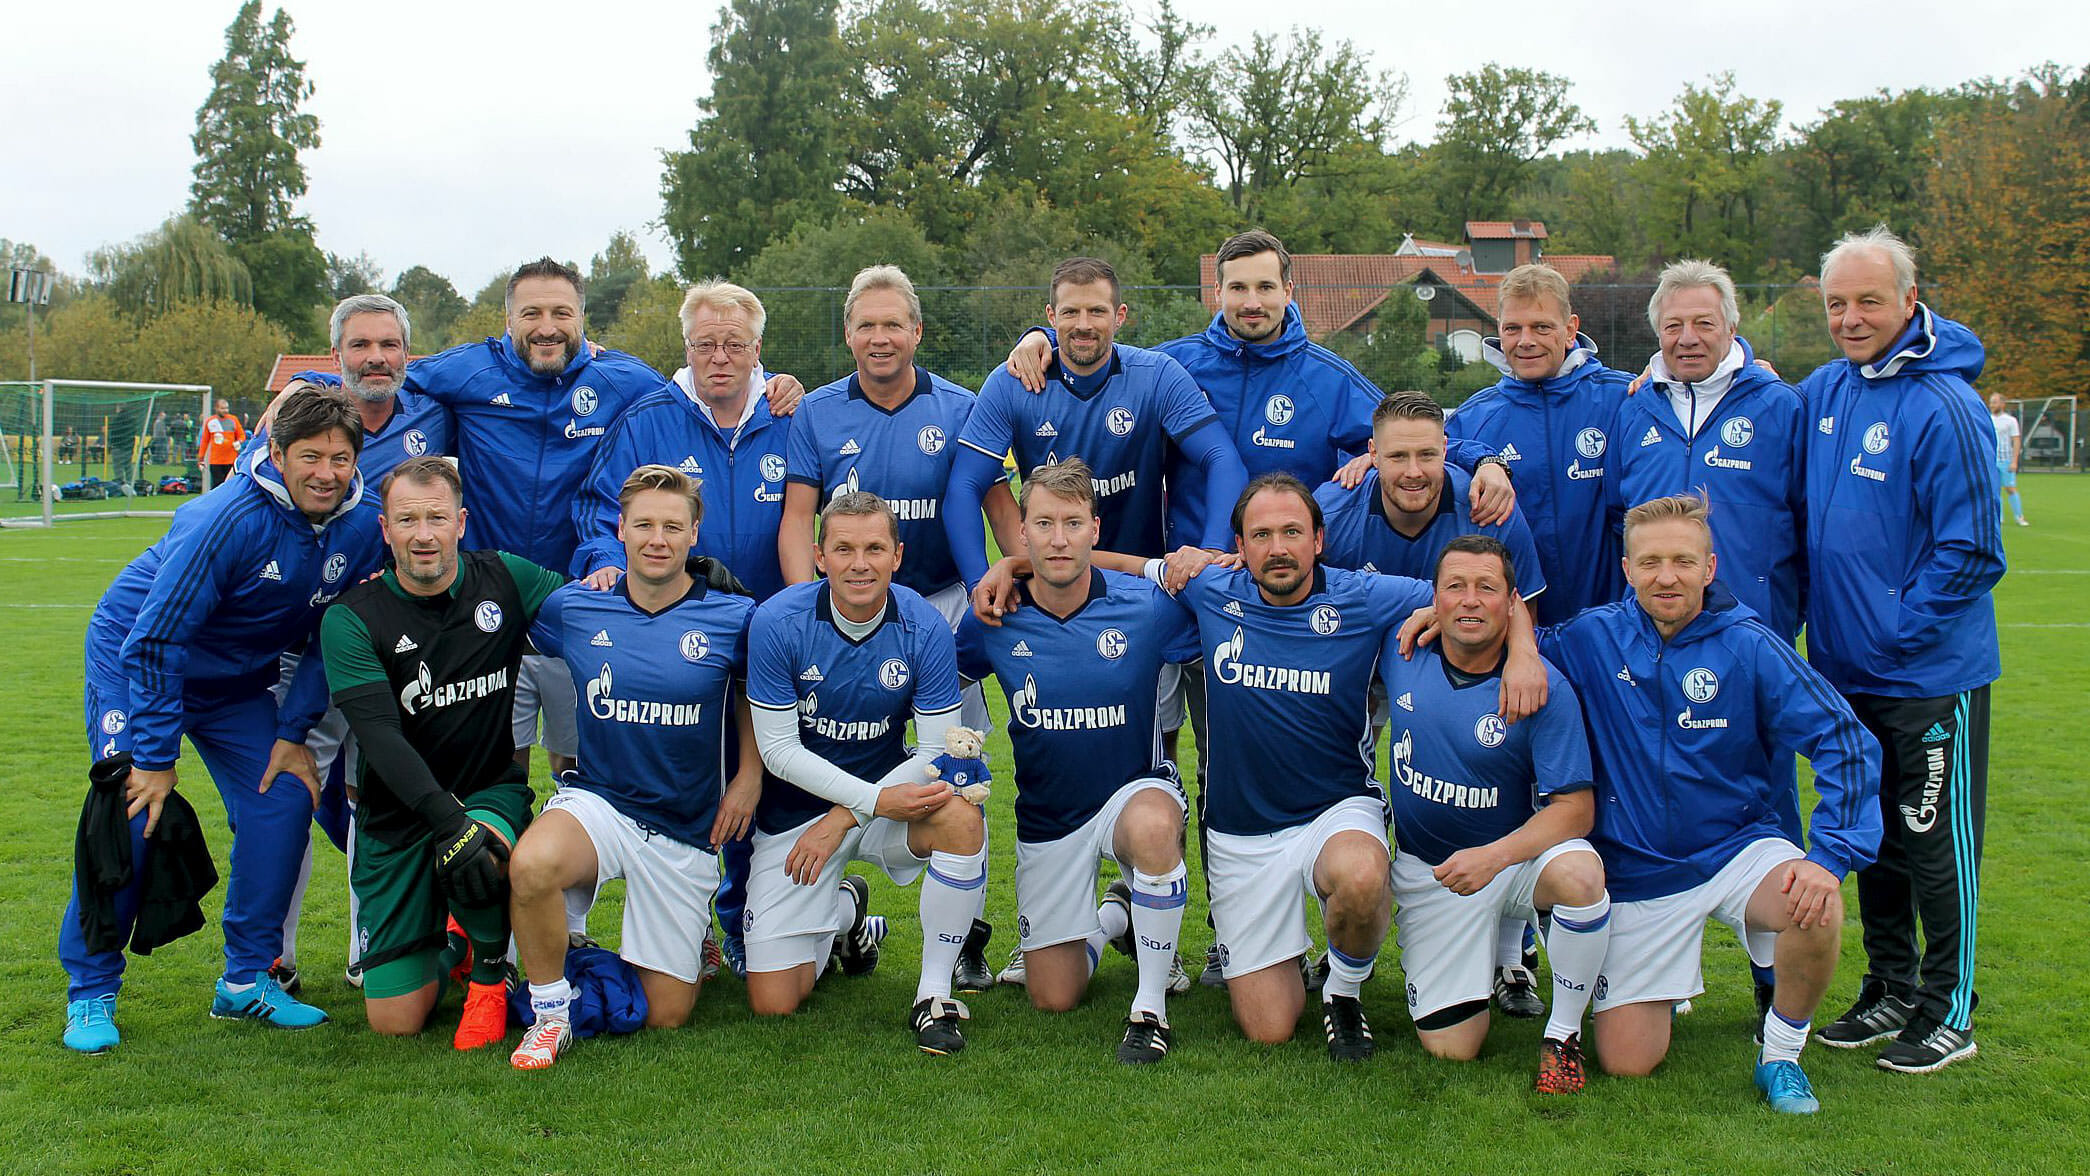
{"x":222,"y":435}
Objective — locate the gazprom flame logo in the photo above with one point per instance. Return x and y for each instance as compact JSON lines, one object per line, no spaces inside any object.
{"x":599,"y":700}
{"x":419,"y":692}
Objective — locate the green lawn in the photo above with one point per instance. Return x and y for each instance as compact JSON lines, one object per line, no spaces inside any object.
{"x":840,"y":1087}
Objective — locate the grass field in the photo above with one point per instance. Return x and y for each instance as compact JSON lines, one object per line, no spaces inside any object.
{"x":840,"y":1088}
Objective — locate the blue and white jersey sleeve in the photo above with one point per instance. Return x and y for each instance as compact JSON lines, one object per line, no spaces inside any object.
{"x":802,"y":451}
{"x":990,"y":428}
{"x":547,"y":628}
{"x":1184,"y":406}
{"x":1803,"y":714}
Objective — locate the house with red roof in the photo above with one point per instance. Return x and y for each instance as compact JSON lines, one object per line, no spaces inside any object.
{"x":287,"y":366}
{"x":1344,"y":292}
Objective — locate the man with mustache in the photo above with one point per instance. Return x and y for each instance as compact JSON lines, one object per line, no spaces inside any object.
{"x":529,"y":408}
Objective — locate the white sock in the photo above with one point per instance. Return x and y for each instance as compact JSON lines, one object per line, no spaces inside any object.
{"x":1113,"y":919}
{"x":1509,"y":941}
{"x":551,"y":1001}
{"x":355,"y":907}
{"x":1783,"y":1039}
{"x":1576,"y":946}
{"x":239,"y":987}
{"x":1346,"y":973}
{"x":579,"y":901}
{"x":1157,"y":917}
{"x":1094,"y":945}
{"x":954,"y":892}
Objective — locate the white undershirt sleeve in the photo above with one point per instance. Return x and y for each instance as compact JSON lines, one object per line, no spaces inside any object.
{"x":776,"y":734}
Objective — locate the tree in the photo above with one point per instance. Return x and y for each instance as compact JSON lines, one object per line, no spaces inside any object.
{"x":193,"y":341}
{"x":350,"y":276}
{"x":1274,"y":115}
{"x":650,"y":324}
{"x":1496,"y":122}
{"x":289,"y":276}
{"x":765,"y":155}
{"x":1864,"y":162}
{"x":801,"y":276}
{"x":432,"y":303}
{"x":611,"y":275}
{"x":2007,"y":235}
{"x":1707,"y":168}
{"x":181,"y":260}
{"x":250,"y":130}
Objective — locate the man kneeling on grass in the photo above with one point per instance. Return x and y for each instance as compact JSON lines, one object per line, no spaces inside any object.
{"x":653,"y":662}
{"x":422,"y":662}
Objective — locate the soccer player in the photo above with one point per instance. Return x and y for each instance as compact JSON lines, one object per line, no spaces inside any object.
{"x":1713,"y":419}
{"x":713,"y":423}
{"x":835,"y":669}
{"x":1551,"y":417}
{"x":2010,"y":446}
{"x":1489,"y":820}
{"x":187,"y":641}
{"x":1078,"y":665}
{"x":1118,"y":408}
{"x":887,"y":428}
{"x":423,"y":661}
{"x":529,"y":409}
{"x":655,"y":657}
{"x":1291,"y":647}
{"x":1691,"y":703}
{"x":1904,"y":545}
{"x":222,"y":435}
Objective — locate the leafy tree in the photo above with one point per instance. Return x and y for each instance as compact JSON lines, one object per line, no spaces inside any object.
{"x":1866,"y":161}
{"x":349,"y":276}
{"x":1276,"y":114}
{"x":801,"y":279}
{"x":1707,"y":167}
{"x":650,"y":324}
{"x":2007,"y":236}
{"x":611,"y":275}
{"x":765,"y":155}
{"x":250,"y":130}
{"x":432,"y":303}
{"x":1496,"y":122}
{"x":181,"y":260}
{"x":193,"y":341}
{"x":1396,"y":354}
{"x":289,"y":276}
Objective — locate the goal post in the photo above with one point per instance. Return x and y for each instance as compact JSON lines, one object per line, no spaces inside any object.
{"x":92,"y":448}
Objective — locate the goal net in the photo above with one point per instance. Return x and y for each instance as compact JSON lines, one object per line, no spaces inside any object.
{"x":72,"y":449}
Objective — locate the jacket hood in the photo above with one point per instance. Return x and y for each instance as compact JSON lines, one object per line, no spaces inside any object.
{"x":685,"y":378}
{"x":1931,"y":344}
{"x":1584,"y":350}
{"x":264,"y":473}
{"x":1292,"y":337}
{"x":1722,"y":612}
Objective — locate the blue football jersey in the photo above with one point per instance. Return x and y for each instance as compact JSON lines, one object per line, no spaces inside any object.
{"x":655,"y":711}
{"x":853,"y":697}
{"x":1359,"y":536}
{"x":1081,"y":695}
{"x":1287,"y":691}
{"x":1120,"y":421}
{"x":841,"y":441}
{"x":1457,"y":777}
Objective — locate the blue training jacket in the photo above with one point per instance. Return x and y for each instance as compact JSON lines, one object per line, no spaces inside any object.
{"x":1555,"y":435}
{"x":524,"y":441}
{"x":1748,"y":457}
{"x":1904,"y":540}
{"x":1688,"y":736}
{"x":206,"y":613}
{"x":742,"y":478}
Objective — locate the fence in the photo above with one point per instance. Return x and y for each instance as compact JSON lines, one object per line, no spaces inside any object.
{"x":68,"y":448}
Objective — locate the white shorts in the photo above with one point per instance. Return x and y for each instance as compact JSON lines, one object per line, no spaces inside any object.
{"x":667,"y":885}
{"x":1258,"y":883}
{"x":1448,"y":940}
{"x":544,"y":687}
{"x":1171,"y":704}
{"x":787,"y":924}
{"x":954,"y":602}
{"x":1056,"y":880}
{"x":1656,"y":943}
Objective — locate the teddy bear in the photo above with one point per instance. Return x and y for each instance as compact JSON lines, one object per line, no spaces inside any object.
{"x":963,"y":764}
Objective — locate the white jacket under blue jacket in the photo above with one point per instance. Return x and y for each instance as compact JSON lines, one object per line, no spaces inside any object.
{"x":1688,"y":737}
{"x":524,"y":440}
{"x":1904,"y":541}
{"x":205,"y":614}
{"x":742,"y":475}
{"x":1555,"y":435}
{"x":1747,"y":456}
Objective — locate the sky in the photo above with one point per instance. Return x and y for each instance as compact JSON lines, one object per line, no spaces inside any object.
{"x":469,"y":144}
